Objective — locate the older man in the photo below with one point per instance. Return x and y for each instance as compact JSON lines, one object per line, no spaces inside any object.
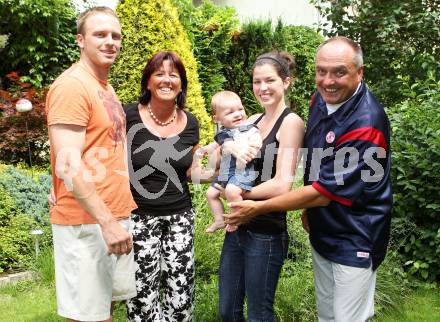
{"x":347,"y":193}
{"x":90,"y":222}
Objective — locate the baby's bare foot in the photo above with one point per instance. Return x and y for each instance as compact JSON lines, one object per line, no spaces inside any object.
{"x":215,"y":226}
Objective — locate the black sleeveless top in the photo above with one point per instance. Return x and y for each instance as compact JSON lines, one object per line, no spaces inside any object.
{"x":265,"y":164}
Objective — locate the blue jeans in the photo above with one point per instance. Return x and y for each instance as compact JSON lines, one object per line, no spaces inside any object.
{"x":250,"y":266}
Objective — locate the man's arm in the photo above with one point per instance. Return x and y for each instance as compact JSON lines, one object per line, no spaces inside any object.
{"x":304,"y":197}
{"x":68,"y":143}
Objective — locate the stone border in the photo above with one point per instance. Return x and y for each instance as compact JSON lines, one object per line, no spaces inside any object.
{"x":15,"y":278}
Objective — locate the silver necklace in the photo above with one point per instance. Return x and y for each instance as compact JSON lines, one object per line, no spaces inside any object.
{"x":159,"y":122}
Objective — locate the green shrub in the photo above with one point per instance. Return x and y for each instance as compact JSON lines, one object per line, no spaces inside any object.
{"x":210,"y":29}
{"x":149,"y":27}
{"x":15,"y":239}
{"x":23,"y":207}
{"x":3,"y":41}
{"x":41,"y":38}
{"x":29,"y":194}
{"x":258,"y":37}
{"x":415,"y":145}
{"x":302,"y":42}
{"x":254,"y":39}
{"x":16,"y":245}
{"x":8,"y":208}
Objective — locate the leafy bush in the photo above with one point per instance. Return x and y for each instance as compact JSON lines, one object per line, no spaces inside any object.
{"x":8,"y":208}
{"x":29,"y":194}
{"x":254,"y":39}
{"x":16,"y":245}
{"x":302,"y":42}
{"x":23,"y":133}
{"x":210,"y":29}
{"x":41,"y":38}
{"x":15,"y":238}
{"x":3,"y":41}
{"x":258,"y":37}
{"x":415,"y":148}
{"x":149,"y":27}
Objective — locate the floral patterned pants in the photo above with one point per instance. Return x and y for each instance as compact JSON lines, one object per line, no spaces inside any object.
{"x":164,"y":255}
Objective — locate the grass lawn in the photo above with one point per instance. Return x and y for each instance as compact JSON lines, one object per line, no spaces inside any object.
{"x":35,"y":301}
{"x":420,"y":306}
{"x":28,"y":301}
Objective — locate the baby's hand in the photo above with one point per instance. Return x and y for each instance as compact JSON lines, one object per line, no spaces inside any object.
{"x":241,"y":165}
{"x":201,"y":152}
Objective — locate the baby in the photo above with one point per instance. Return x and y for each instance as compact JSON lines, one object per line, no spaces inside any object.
{"x":234,"y":176}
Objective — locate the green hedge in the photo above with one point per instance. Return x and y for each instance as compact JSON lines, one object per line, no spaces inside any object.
{"x":258,"y":37}
{"x":41,"y":38}
{"x":415,"y":145}
{"x":211,"y":29}
{"x":302,"y":42}
{"x":16,"y":245}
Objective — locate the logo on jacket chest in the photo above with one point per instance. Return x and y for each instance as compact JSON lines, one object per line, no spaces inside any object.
{"x":330,"y":137}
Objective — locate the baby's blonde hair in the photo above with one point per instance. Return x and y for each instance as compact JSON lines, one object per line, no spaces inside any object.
{"x":218,"y":98}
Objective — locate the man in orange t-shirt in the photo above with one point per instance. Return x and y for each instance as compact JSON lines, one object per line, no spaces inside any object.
{"x":90,"y":221}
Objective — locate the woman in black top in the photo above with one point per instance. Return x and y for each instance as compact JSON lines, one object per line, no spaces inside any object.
{"x":161,"y":137}
{"x":252,"y":256}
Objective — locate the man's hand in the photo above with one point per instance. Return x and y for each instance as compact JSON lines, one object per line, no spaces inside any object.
{"x":118,"y":240}
{"x":51,"y":198}
{"x":305,"y":221}
{"x":242,"y":211}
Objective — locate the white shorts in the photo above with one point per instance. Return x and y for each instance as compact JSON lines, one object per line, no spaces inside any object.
{"x":343,"y":293}
{"x":87,"y":279}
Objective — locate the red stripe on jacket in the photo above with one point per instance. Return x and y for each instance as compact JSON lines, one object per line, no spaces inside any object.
{"x":328,"y":194}
{"x":366,"y":134}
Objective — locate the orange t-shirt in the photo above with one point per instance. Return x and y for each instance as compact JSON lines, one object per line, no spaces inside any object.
{"x":77,"y":97}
